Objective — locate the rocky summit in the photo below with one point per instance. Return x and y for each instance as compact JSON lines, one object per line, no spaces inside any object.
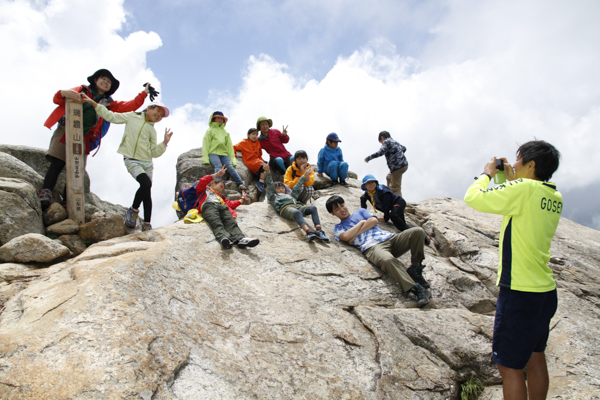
{"x":168,"y":314}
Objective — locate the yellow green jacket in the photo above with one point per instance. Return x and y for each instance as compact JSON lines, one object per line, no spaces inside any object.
{"x":531,"y":211}
{"x":139,"y":138}
{"x":217,"y":141}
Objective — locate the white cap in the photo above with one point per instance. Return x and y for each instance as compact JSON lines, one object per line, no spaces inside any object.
{"x":159,"y":104}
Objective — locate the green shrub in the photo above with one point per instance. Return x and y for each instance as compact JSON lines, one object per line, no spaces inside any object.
{"x":471,"y":389}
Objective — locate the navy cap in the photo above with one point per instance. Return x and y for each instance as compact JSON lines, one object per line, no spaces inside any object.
{"x":333,"y":136}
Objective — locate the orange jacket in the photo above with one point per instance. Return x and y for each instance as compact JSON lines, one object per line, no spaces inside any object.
{"x":251,"y":154}
{"x":293,"y":174}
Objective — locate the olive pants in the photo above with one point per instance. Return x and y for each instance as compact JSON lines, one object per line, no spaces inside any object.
{"x":384,"y":255}
{"x":220,"y":220}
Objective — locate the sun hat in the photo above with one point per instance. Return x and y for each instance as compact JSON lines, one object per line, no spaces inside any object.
{"x":114,"y":83}
{"x":193,"y":217}
{"x":367,"y":179}
{"x":161,"y":105}
{"x":334,"y":137}
{"x":261,"y":119}
{"x":218,"y":114}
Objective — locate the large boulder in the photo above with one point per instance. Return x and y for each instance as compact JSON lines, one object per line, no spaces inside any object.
{"x":32,"y":248}
{"x":11,"y":167}
{"x":20,"y":211}
{"x":101,"y":229}
{"x":168,"y":314}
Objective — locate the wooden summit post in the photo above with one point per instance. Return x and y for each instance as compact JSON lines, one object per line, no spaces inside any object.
{"x":75,"y":161}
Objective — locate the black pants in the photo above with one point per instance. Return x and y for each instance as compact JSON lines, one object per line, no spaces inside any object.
{"x":143,"y":194}
{"x":397,"y":215}
{"x":56,"y":167}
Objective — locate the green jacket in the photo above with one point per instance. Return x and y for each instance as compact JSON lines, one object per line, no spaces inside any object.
{"x":531,"y":210}
{"x":280,"y":201}
{"x":217,"y":141}
{"x":139,"y":138}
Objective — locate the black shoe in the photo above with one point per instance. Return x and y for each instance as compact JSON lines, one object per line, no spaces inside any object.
{"x":226,"y":243}
{"x":45,"y":198}
{"x":247,"y":242}
{"x":343,"y":182}
{"x":416,"y":273}
{"x":421,"y":294}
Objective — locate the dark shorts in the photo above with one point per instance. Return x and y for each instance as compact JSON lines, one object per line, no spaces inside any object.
{"x":521,"y":326}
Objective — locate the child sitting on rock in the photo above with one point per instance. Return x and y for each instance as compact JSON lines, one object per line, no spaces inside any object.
{"x":331,"y":161}
{"x":288,"y":207}
{"x":390,"y":204}
{"x":217,"y":148}
{"x":138,"y":148}
{"x":252,"y":156}
{"x":218,"y":212}
{"x":295,"y":171}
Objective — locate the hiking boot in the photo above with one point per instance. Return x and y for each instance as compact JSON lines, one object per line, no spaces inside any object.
{"x":343,"y":182}
{"x":310,"y":236}
{"x":45,"y":198}
{"x":333,"y":183}
{"x":247,"y":242}
{"x":146,"y":227}
{"x":322,"y":236}
{"x":131,"y":217}
{"x":260,"y":186}
{"x":421,"y":294}
{"x":416,"y":273}
{"x":226,"y":243}
{"x":228,"y":184}
{"x":242,"y":187}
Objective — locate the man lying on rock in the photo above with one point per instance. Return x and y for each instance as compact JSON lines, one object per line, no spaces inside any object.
{"x":381,"y":247}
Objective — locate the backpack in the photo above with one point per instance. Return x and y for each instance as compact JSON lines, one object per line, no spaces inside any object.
{"x":188,"y":199}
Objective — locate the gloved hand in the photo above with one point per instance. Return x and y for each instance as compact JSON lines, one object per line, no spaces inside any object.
{"x":150,"y":90}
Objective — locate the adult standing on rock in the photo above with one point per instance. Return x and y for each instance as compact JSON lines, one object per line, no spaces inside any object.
{"x":102,"y":85}
{"x":527,"y":301}
{"x":272,"y":140}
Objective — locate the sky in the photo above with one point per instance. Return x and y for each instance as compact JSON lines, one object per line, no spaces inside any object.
{"x":456,"y":82}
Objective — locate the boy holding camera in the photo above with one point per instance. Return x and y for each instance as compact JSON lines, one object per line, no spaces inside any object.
{"x":531,"y":209}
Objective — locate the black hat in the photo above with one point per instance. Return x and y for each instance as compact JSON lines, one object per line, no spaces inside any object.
{"x":114,"y":83}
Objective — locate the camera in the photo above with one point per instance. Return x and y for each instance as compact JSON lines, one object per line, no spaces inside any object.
{"x":499,"y":165}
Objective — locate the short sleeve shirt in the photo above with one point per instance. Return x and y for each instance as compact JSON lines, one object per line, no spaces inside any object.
{"x":366,"y":239}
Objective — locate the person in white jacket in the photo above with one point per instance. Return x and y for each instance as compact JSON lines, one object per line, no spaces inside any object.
{"x":138,"y":148}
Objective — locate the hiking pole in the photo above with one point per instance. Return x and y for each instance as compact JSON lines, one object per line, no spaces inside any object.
{"x":75,"y":162}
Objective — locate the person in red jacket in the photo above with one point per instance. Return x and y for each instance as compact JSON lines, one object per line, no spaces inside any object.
{"x":102,"y":85}
{"x":271,"y":141}
{"x":252,"y":156}
{"x":218,"y":212}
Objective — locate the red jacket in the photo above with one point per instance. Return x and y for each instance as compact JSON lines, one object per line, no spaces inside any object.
{"x":273,"y":144}
{"x":201,"y":189}
{"x":251,"y":154}
{"x":94,"y":133}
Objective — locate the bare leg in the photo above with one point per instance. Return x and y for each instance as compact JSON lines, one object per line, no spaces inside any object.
{"x":537,"y":377}
{"x":513,"y":383}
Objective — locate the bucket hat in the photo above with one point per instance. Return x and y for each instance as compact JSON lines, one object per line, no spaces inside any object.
{"x":114,"y":83}
{"x":367,"y":179}
{"x":261,"y":119}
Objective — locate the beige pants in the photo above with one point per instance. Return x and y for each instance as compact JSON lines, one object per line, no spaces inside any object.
{"x":384,"y":255}
{"x":394,"y":180}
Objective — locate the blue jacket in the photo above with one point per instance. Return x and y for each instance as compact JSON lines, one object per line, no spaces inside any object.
{"x":384,"y":200}
{"x":328,"y":154}
{"x":394,"y":154}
